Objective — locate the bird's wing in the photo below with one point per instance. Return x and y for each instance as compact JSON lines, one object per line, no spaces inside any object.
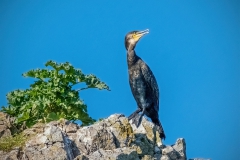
{"x":152,"y":83}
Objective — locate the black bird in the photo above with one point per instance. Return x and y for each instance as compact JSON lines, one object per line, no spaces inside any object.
{"x":143,"y":84}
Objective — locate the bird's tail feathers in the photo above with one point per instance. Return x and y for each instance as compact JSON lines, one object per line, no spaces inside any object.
{"x":159,"y":128}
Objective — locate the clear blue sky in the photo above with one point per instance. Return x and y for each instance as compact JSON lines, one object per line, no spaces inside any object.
{"x":193,"y":49}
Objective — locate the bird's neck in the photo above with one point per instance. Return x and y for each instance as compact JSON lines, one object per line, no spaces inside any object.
{"x":131,"y":57}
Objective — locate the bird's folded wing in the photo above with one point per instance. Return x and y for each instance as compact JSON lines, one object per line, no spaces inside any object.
{"x":152,"y":83}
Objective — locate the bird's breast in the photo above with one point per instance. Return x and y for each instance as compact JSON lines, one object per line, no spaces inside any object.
{"x":136,"y":79}
{"x":135,"y":74}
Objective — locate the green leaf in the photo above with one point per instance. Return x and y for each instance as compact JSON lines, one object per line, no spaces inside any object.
{"x":23,"y":117}
{"x":30,"y":123}
{"x":52,"y":117}
{"x":51,"y":96}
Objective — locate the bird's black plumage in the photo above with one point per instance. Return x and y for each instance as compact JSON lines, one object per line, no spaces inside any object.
{"x":143,"y":83}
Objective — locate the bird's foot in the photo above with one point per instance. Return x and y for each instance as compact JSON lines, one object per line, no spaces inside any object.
{"x":131,"y":116}
{"x":134,"y":114}
{"x":137,"y":120}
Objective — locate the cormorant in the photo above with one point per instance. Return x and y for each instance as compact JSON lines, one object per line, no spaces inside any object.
{"x":143,"y":84}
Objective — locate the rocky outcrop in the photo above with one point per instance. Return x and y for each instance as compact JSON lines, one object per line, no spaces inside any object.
{"x":6,"y":125}
{"x":114,"y":138}
{"x":198,"y":159}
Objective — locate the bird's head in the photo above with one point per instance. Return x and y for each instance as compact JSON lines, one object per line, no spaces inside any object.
{"x":133,"y":37}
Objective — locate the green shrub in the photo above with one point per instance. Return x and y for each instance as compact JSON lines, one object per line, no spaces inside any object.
{"x":51,"y":97}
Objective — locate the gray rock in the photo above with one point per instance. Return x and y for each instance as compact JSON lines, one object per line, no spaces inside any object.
{"x":180,"y":147}
{"x":6,"y":125}
{"x":110,"y":133}
{"x":113,"y":138}
{"x":165,"y":157}
{"x":142,"y":145}
{"x":198,"y":159}
{"x":48,"y":144}
{"x":119,"y":154}
{"x":176,"y":151}
{"x":92,"y":138}
{"x":12,"y":155}
{"x":147,"y":128}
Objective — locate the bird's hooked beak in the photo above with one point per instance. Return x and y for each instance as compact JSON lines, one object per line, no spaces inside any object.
{"x":139,"y":34}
